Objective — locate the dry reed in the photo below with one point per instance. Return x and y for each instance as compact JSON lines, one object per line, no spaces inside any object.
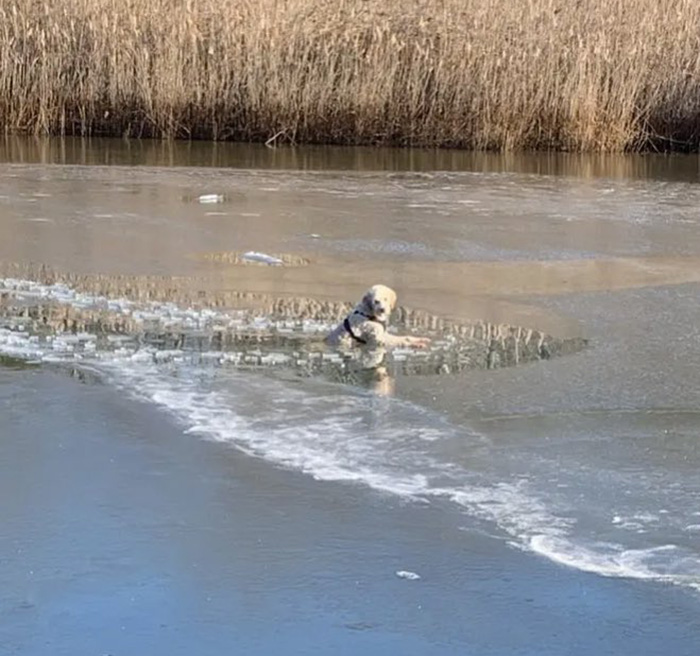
{"x":600,"y":75}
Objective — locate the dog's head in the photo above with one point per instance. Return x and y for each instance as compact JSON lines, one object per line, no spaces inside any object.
{"x":378,"y":302}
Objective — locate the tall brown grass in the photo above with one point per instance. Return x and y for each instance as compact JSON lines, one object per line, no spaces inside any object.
{"x":580,"y":75}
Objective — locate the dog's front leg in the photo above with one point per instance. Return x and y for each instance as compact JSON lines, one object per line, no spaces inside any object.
{"x":406,"y":340}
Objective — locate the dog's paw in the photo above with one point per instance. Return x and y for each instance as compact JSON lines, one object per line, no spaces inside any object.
{"x":418,"y":342}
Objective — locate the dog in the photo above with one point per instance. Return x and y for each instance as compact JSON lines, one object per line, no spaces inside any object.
{"x":366,"y":325}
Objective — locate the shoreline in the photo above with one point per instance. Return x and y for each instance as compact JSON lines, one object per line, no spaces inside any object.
{"x":21,"y":151}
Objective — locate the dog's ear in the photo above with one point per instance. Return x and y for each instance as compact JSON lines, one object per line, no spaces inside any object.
{"x":367,"y":301}
{"x":392,"y":298}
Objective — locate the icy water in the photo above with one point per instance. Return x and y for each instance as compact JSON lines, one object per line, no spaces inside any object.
{"x":582,"y":465}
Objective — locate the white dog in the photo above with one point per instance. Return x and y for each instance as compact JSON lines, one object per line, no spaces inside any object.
{"x":366,"y":325}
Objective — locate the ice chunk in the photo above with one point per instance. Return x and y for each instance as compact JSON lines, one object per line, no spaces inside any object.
{"x":409,"y":576}
{"x":264,"y":258}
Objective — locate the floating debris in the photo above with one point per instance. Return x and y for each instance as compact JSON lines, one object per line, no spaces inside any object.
{"x":263,"y":258}
{"x":409,"y":576}
{"x":252,"y":257}
{"x":211,"y":198}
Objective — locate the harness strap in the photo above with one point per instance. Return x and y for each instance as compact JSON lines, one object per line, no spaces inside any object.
{"x":348,"y":328}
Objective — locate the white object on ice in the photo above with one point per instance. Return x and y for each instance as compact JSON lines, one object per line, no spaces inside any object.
{"x":409,"y":576}
{"x":264,"y":258}
{"x":211,"y":198}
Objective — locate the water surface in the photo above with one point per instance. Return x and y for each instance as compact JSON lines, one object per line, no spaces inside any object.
{"x":581,"y":469}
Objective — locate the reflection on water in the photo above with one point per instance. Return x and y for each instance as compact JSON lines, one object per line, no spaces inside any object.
{"x":8,"y":362}
{"x":125,"y":152}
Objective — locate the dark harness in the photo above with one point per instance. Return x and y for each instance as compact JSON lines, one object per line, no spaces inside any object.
{"x":348,"y":327}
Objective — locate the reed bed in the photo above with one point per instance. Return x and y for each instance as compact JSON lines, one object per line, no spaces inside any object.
{"x":593,"y":75}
